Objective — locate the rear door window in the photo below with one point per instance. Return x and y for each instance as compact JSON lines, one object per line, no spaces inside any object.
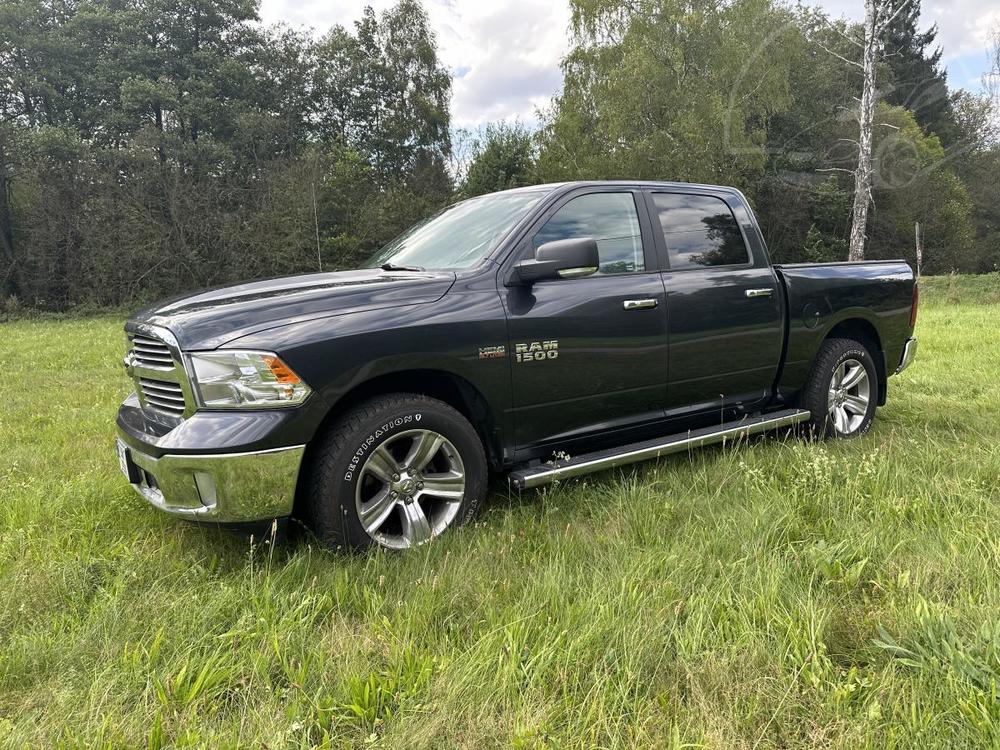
{"x":699,"y":231}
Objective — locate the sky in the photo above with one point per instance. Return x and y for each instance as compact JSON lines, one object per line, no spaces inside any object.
{"x":504,"y":54}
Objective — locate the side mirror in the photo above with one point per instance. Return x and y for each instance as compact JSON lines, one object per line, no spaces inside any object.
{"x":562,"y":259}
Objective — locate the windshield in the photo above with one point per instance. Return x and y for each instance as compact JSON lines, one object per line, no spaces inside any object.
{"x":460,"y":235}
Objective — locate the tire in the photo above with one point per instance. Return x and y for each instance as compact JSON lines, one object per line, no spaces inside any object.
{"x":841,"y":391}
{"x":395,"y":471}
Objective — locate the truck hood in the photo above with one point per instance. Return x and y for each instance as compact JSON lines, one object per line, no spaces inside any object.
{"x":210,"y":319}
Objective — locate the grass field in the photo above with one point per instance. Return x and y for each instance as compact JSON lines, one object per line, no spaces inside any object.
{"x":777,"y":594}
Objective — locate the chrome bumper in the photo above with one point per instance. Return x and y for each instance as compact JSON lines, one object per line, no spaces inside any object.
{"x":909,"y":352}
{"x":223,"y":487}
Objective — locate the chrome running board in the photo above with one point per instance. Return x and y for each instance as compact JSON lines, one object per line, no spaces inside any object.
{"x":535,"y":476}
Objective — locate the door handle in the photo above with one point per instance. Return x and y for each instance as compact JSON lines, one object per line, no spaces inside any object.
{"x":638,"y":304}
{"x":759,"y":292}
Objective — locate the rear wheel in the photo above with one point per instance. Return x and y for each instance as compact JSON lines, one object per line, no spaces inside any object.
{"x":395,"y":472}
{"x":842,"y":390}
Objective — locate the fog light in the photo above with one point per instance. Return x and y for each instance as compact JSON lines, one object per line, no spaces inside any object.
{"x":206,"y":488}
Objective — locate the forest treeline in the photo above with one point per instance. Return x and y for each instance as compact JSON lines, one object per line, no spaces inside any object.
{"x":149,"y":147}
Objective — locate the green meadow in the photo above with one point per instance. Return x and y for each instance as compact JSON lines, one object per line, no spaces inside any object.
{"x":769,"y":594}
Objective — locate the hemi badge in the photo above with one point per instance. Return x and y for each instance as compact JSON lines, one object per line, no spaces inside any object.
{"x":492,"y":352}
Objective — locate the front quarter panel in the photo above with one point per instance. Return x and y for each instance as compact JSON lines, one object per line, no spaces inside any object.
{"x":463,"y":333}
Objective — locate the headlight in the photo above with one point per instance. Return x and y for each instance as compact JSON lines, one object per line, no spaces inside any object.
{"x":245,"y":380}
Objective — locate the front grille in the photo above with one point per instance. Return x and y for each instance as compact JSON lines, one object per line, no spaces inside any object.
{"x":165,"y":396}
{"x":148,"y":352}
{"x":159,"y":379}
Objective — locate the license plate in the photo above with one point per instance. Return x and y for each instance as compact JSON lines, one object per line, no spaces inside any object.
{"x":123,"y":459}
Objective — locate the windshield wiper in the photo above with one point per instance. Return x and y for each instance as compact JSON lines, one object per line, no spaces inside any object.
{"x":394,"y":267}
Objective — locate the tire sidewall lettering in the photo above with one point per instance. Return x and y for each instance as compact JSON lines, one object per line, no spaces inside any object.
{"x":376,"y":437}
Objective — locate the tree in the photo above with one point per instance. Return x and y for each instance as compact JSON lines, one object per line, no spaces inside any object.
{"x":503,"y":156}
{"x":979,"y":176}
{"x":991,"y":87}
{"x":666,"y":89}
{"x":153,"y":146}
{"x":802,"y":198}
{"x":978,"y":163}
{"x":912,"y":183}
{"x":384,"y":95}
{"x":878,"y":15}
{"x":917,"y":82}
{"x":385,"y":91}
{"x":8,"y":281}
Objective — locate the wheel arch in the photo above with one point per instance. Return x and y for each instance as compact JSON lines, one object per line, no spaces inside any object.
{"x":446,"y":386}
{"x":862,"y":330}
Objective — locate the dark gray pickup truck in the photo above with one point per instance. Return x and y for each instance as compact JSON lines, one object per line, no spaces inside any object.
{"x":542,"y":332}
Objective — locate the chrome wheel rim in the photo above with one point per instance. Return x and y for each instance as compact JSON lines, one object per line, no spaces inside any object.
{"x":410,"y":488}
{"x":850,"y":393}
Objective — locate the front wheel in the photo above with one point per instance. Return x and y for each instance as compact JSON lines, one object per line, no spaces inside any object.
{"x":842,"y":390}
{"x":396,"y":471}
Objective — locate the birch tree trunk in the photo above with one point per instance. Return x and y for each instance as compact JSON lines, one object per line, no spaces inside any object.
{"x":878,"y":15}
{"x":866,"y":119}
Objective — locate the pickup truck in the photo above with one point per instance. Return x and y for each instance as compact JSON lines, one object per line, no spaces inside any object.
{"x":541,"y":333}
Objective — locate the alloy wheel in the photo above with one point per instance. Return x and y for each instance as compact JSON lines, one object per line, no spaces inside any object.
{"x":849,"y":395}
{"x":410,"y":488}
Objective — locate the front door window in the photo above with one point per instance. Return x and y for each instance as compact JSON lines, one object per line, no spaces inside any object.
{"x":609,"y":218}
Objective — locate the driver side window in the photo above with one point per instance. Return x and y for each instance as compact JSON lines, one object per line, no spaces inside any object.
{"x":611,"y":219}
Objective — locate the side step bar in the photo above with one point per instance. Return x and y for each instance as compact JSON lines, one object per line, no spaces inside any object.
{"x":535,"y":476}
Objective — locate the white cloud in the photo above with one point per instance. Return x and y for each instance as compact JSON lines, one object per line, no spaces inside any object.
{"x":505,"y":55}
{"x":511,"y":53}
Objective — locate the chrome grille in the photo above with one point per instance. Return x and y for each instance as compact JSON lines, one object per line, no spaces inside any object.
{"x":162,"y":395}
{"x":160,"y":380}
{"x":148,"y":352}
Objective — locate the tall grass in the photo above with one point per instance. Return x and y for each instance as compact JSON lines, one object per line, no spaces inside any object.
{"x":771,"y":594}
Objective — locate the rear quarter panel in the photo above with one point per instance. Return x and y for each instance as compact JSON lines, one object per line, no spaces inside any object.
{"x":820,"y":296}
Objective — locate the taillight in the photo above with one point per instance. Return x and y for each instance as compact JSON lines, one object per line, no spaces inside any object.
{"x":914,"y":304}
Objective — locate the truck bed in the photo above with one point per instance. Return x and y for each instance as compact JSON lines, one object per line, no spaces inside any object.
{"x":820,"y":296}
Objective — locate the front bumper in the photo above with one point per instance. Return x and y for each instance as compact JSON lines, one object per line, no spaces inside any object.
{"x":224,"y":487}
{"x":909,"y":353}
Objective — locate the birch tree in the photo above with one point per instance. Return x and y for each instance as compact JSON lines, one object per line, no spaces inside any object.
{"x":878,"y":15}
{"x":991,"y":79}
